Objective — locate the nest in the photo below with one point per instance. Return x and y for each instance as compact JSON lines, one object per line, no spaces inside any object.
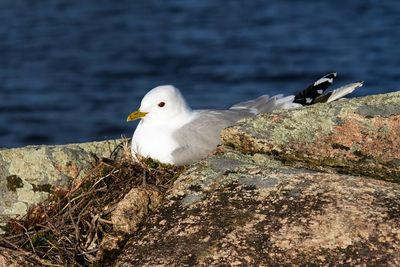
{"x":69,"y":226}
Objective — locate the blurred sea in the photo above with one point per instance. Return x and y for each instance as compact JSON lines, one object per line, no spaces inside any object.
{"x":71,"y":71}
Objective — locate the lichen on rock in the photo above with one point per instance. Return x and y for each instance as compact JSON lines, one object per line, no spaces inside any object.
{"x":28,"y":174}
{"x":358,"y":136}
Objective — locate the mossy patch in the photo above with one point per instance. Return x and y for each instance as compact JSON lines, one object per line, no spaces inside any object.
{"x":14,"y":182}
{"x":42,"y":188}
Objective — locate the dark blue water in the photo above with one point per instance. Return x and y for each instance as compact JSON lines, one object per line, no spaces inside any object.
{"x":71,"y":71}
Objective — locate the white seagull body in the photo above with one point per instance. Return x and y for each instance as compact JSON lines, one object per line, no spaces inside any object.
{"x":171,"y":132}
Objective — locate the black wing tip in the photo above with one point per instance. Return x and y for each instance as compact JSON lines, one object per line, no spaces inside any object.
{"x":312,"y":92}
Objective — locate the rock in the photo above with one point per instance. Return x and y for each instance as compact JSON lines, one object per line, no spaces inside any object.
{"x":357,"y":136}
{"x":134,"y":208}
{"x":110,"y":248}
{"x":243,"y":210}
{"x":28,"y":174}
{"x":127,"y":216}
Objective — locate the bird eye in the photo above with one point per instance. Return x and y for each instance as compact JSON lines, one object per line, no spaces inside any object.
{"x":161,"y":104}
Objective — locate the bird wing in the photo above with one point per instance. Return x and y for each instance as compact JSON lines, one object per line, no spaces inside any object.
{"x":200,"y":136}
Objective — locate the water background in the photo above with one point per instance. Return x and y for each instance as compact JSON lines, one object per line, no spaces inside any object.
{"x":71,"y":71}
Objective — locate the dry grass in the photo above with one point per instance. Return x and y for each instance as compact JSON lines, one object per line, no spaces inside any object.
{"x":68,"y":227}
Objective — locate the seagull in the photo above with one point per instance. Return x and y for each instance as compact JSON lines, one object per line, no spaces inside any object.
{"x":171,"y":132}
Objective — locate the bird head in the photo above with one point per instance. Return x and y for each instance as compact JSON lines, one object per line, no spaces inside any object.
{"x":161,"y":103}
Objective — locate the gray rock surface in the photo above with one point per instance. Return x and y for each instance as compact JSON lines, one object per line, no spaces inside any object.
{"x":238,"y":210}
{"x":27,"y":174}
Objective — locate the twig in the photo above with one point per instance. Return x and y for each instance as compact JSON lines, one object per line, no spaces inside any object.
{"x":10,"y":243}
{"x":29,"y":237}
{"x":73,"y":223}
{"x":106,"y":221}
{"x":104,"y":188}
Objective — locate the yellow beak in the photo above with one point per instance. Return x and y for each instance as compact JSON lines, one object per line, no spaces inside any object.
{"x":136,"y":115}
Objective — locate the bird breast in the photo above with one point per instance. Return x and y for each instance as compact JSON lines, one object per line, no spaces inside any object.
{"x":155,"y":141}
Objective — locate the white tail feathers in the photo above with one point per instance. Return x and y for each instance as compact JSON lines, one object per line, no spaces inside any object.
{"x":344,"y":90}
